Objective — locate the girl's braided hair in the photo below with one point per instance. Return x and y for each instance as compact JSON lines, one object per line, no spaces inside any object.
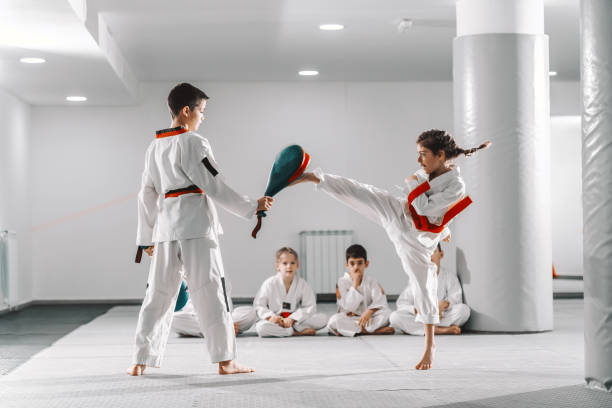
{"x":436,"y":140}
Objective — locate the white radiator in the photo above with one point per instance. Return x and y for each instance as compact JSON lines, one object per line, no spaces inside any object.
{"x":8,"y":268}
{"x":322,"y":258}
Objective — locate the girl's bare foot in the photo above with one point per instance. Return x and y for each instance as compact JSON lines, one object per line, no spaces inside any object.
{"x":448,"y":330}
{"x":232,"y":367}
{"x":136,"y":370}
{"x":385,"y":330}
{"x":305,"y":177}
{"x":236,"y":329}
{"x":306,"y":332}
{"x":427,"y":359}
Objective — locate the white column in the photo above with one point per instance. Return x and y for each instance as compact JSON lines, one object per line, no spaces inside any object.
{"x":596,"y":69}
{"x":501,"y":93}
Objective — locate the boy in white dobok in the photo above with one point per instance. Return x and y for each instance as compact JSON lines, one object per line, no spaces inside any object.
{"x":186,"y":323}
{"x":362,"y":303}
{"x":285,"y":303}
{"x":453,"y":313}
{"x":179,"y":227}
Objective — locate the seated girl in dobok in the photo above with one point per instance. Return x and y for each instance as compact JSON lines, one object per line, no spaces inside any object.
{"x":285,"y":303}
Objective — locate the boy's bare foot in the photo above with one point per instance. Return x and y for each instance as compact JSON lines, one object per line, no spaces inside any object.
{"x":385,"y":330}
{"x":136,"y":370}
{"x":306,"y":332}
{"x":427,"y":359}
{"x":236,"y":328}
{"x":232,"y":367}
{"x":447,"y":330}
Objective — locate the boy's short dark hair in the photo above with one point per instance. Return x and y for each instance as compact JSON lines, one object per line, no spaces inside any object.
{"x":182,"y":95}
{"x":356,"y":251}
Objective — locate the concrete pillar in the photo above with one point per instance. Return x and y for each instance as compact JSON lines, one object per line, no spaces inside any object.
{"x":596,"y":69}
{"x":501,"y":93}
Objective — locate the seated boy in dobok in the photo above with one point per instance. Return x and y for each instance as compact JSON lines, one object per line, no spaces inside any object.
{"x":285,"y":303}
{"x":453,"y":313}
{"x":362,"y":304}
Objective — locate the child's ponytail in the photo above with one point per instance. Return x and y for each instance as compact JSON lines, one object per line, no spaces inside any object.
{"x":436,"y":140}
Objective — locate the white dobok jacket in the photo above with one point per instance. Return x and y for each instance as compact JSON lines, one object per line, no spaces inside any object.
{"x":272,"y":298}
{"x":369,"y":295}
{"x":445,"y":190}
{"x":178,"y":161}
{"x":449,"y":289}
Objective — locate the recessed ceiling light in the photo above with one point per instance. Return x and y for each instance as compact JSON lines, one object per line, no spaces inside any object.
{"x":308,"y":73}
{"x":76,"y":98}
{"x":552,"y":73}
{"x":331,"y":27}
{"x":32,"y":60}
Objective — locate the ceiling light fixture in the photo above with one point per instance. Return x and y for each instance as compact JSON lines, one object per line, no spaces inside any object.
{"x":552,"y":73}
{"x":308,"y":73}
{"x":32,"y":60}
{"x":405,"y":25}
{"x":76,"y":98}
{"x":331,"y":27}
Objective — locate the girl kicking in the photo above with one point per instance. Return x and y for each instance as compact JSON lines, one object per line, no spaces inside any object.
{"x":415,"y":225}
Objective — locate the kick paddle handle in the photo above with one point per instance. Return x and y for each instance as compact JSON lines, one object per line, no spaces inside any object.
{"x":260,"y":215}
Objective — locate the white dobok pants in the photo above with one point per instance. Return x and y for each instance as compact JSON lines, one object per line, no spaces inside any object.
{"x":203,"y":269}
{"x":388,"y":211}
{"x":348,"y":326}
{"x":266,"y":328}
{"x":404,"y":320}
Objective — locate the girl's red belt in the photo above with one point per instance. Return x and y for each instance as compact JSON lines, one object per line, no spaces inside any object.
{"x":422,"y":223}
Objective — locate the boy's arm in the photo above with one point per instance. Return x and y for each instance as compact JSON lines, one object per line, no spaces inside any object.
{"x":379,"y":299}
{"x":308,"y":306}
{"x":350,"y":298}
{"x":198,"y":164}
{"x":454,"y":292}
{"x":406,"y":300}
{"x":147,"y":210}
{"x":261,"y":303}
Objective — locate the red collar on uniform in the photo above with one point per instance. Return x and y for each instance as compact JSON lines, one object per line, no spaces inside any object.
{"x":170,"y":132}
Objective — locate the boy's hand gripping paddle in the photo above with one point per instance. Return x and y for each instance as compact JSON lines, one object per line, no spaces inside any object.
{"x":289,"y":164}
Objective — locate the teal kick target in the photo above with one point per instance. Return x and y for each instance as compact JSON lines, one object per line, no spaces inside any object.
{"x":182,"y":298}
{"x":289,"y":164}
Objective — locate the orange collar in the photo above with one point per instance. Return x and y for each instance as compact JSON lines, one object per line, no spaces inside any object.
{"x":170,"y":132}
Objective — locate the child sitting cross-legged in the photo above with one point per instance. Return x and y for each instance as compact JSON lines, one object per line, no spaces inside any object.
{"x":362,"y":304}
{"x":285,"y":303}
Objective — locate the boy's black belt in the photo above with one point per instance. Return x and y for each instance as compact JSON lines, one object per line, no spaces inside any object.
{"x":185,"y":190}
{"x":192,"y":189}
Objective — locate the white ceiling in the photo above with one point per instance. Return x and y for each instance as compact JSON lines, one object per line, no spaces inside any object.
{"x":103,"y":48}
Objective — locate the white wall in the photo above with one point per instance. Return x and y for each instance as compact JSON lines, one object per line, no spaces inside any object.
{"x":15,"y":186}
{"x":566,"y":194}
{"x":565,"y":98}
{"x":86,"y":165}
{"x":566,"y":176}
